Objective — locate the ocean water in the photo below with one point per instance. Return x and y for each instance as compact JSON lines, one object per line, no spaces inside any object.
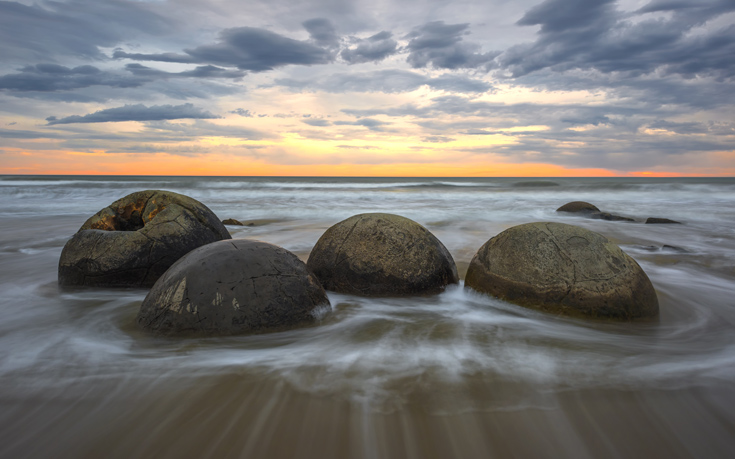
{"x":452,"y":375}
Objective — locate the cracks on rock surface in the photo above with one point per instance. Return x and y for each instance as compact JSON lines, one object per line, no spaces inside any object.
{"x":573,"y":261}
{"x":563,"y":252}
{"x":344,"y":241}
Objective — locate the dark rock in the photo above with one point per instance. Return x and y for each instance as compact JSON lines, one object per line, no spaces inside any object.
{"x":563,"y":269}
{"x":136,"y":239}
{"x":652,"y":220}
{"x":233,"y":287}
{"x":610,"y":217}
{"x":673,"y":248}
{"x":232,"y":221}
{"x":382,"y":255}
{"x":578,"y":206}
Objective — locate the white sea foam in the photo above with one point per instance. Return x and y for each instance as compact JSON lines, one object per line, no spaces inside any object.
{"x":382,"y":350}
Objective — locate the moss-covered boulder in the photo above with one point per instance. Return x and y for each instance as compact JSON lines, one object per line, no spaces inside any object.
{"x":233,"y":287}
{"x":563,"y":269}
{"x":132,"y":242}
{"x":380,"y":254}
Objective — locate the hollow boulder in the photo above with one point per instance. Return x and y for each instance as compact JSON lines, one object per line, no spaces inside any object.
{"x":379,"y":254}
{"x":233,"y":287}
{"x":562,"y":269}
{"x":136,"y":239}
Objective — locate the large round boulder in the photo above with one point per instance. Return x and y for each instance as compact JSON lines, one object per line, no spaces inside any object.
{"x":380,"y":254}
{"x":562,"y":269}
{"x":136,"y":239}
{"x":232,"y":287}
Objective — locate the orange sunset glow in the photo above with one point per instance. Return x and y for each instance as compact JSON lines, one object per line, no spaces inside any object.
{"x":255,"y":93}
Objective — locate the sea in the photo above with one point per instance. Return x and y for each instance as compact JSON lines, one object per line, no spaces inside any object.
{"x":453,"y":375}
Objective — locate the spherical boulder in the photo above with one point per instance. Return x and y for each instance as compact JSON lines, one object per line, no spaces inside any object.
{"x":233,"y":287}
{"x":380,"y":254}
{"x":562,"y":269}
{"x":578,"y":207}
{"x":136,"y":239}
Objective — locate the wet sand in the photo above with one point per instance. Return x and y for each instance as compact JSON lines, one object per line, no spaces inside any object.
{"x":450,"y":375}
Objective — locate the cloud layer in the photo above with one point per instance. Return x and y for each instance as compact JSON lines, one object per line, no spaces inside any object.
{"x":620,"y":85}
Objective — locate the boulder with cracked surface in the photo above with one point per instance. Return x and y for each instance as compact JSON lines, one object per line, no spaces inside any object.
{"x":378,"y":254}
{"x":233,"y":287}
{"x":563,"y":269}
{"x":134,"y":240}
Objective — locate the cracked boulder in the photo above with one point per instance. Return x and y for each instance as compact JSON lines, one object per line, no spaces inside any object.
{"x":136,"y":239}
{"x":233,"y":287}
{"x":382,"y":255}
{"x":563,"y":269}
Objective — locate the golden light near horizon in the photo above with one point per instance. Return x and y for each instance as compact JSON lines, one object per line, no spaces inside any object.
{"x":457,"y":92}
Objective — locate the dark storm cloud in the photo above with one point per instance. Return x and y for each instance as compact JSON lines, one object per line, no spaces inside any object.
{"x":50,"y":30}
{"x":57,"y":82}
{"x":203,"y":71}
{"x":441,"y":45}
{"x":247,"y":48}
{"x":53,"y":77}
{"x":594,"y":35}
{"x":372,"y":49}
{"x":388,"y":81}
{"x":322,"y":32}
{"x":138,"y":112}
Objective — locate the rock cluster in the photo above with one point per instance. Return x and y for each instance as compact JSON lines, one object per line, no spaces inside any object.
{"x":381,"y":254}
{"x":591,"y":211}
{"x":134,"y":240}
{"x":205,"y":283}
{"x":563,"y":269}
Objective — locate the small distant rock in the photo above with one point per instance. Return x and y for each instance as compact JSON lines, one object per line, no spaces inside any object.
{"x":380,"y":254}
{"x":654,"y":220}
{"x":665,"y":247}
{"x":578,"y":207}
{"x":610,"y":217}
{"x":563,"y":269}
{"x":674,"y":248}
{"x":232,"y":221}
{"x":535,"y":184}
{"x":233,"y":287}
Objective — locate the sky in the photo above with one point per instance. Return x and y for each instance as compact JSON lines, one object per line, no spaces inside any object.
{"x":368,"y":88}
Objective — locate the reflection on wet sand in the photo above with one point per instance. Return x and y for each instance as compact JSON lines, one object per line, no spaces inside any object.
{"x":245,"y":415}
